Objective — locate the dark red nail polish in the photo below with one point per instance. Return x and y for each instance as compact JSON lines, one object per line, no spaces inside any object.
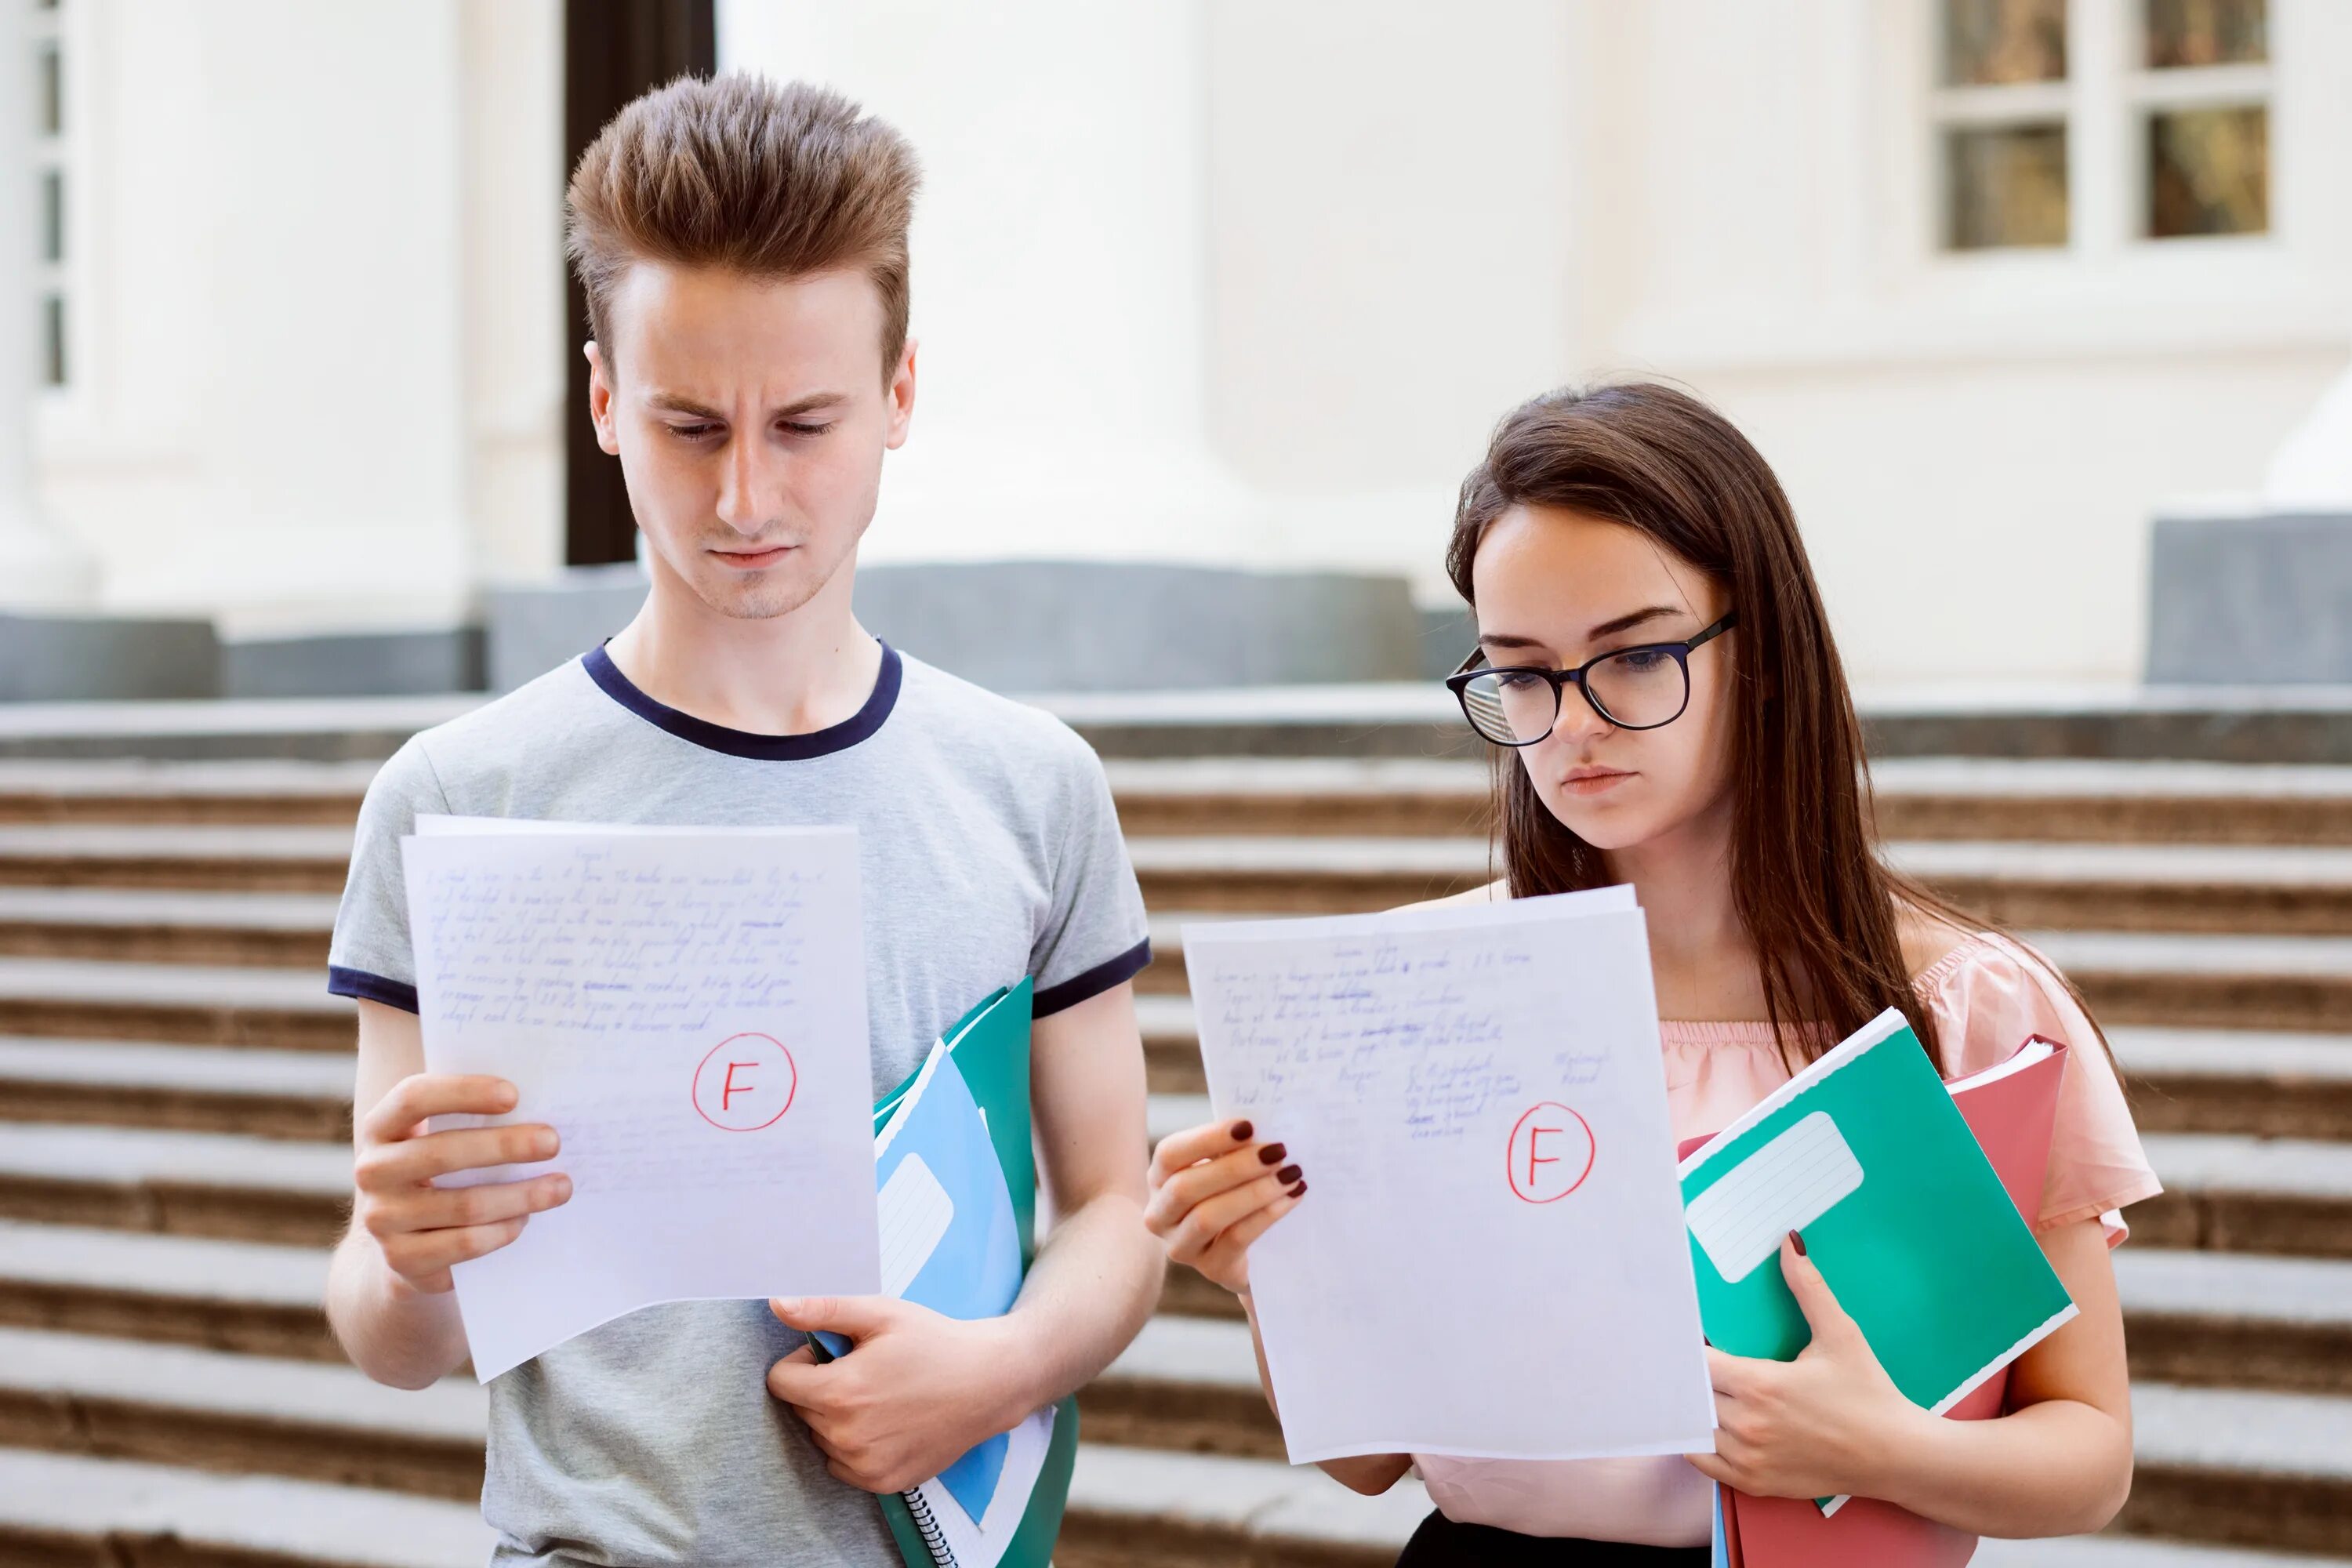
{"x":1296,"y":1190}
{"x":1242,"y":1130}
{"x":1272,"y":1154}
{"x":1799,"y":1242}
{"x":1286,"y":1175}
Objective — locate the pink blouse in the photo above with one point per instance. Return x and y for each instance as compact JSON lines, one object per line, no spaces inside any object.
{"x":1987,"y":997}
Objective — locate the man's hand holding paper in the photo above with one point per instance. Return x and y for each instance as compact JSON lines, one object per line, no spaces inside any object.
{"x":426,"y":1229}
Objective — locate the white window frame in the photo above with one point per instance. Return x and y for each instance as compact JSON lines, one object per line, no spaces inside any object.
{"x":63,"y":415}
{"x":52,"y":278}
{"x":2103,"y":102}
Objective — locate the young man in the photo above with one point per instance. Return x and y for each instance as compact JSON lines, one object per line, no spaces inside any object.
{"x":745,"y":250}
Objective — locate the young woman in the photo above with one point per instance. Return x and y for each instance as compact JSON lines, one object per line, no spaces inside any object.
{"x":1653,"y":654}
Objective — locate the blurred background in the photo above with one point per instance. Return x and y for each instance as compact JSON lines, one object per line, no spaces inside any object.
{"x":2042,"y":309}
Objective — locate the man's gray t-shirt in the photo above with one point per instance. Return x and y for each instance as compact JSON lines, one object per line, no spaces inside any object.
{"x":989,"y":850}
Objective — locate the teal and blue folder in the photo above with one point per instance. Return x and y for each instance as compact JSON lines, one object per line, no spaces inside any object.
{"x":957,"y":1184}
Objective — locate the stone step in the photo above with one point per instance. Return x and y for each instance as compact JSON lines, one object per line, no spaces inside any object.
{"x":194,"y":859}
{"x":2227,"y":1193}
{"x":181,"y":1183}
{"x":287,"y":1009}
{"x":2114,"y":886}
{"x":198,"y":1410}
{"x":2301,"y":724}
{"x":2212,"y":981}
{"x":189,"y":1088}
{"x":270,"y":930}
{"x":136,"y":790}
{"x":251,"y":1297}
{"x":2269,"y":1470}
{"x":2217,"y":1319}
{"x":1917,"y":797}
{"x":2225,"y":1466}
{"x":59,"y":1509}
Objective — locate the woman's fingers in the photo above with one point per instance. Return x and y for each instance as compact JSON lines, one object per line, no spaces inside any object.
{"x":1194,"y":1144}
{"x":1226,"y":1254}
{"x":1189,"y":1188}
{"x":1201,"y":1224}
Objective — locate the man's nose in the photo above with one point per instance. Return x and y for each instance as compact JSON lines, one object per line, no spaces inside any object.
{"x":751,"y":484}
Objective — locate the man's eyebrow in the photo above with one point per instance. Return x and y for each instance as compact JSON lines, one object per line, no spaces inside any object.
{"x":679,"y":403}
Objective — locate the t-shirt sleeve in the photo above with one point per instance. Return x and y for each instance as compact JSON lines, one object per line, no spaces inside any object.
{"x":1995,"y":1004}
{"x":1093,"y":936}
{"x":372,"y":957}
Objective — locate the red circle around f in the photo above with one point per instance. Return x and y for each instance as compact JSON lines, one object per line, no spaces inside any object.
{"x":746,"y":1083}
{"x":1540,"y":1177}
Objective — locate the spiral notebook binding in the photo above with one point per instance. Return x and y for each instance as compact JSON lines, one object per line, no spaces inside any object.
{"x":935,"y":1540}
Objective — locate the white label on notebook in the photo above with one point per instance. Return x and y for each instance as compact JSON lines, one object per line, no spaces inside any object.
{"x":916,"y":1212}
{"x":1785,"y":1185}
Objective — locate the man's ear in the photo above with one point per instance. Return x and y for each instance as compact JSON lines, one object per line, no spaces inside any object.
{"x":902,"y":398}
{"x":600,"y":399}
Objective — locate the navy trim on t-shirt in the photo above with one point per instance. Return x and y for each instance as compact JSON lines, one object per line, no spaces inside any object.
{"x":859,"y":726}
{"x":1093,"y":982}
{"x":359,"y":983}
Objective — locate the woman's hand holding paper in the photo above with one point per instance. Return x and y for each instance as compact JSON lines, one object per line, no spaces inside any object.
{"x":1214,"y":1191}
{"x":1829,"y":1422}
{"x":422,"y":1229}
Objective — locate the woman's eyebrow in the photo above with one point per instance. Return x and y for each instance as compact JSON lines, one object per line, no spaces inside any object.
{"x":1626,"y":623}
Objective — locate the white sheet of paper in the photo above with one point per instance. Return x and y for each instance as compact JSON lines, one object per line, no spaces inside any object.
{"x":1491,"y":1260}
{"x":687,"y":1007}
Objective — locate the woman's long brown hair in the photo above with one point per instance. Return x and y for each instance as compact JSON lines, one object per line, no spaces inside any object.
{"x":1806,"y":878}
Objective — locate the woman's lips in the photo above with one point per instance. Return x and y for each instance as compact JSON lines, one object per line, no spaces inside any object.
{"x":1593,"y":781}
{"x":752,"y":560}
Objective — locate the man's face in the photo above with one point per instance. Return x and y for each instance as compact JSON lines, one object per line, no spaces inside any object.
{"x":750,"y":417}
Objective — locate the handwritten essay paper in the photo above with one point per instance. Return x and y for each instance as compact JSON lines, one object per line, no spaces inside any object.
{"x":1490,"y":1260}
{"x":687,"y":1008}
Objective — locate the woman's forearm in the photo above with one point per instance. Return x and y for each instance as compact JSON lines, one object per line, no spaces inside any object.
{"x":2058,"y":1468}
{"x":1370,"y":1474}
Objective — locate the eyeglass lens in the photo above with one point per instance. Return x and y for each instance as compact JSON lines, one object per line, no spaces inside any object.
{"x":1637,"y":690}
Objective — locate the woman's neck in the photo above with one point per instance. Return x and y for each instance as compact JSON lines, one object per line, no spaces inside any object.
{"x":1700,"y":951}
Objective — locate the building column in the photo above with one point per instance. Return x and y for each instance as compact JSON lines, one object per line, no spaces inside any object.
{"x":38,"y":566}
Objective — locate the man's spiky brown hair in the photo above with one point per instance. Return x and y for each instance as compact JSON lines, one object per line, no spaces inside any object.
{"x":741,"y":173}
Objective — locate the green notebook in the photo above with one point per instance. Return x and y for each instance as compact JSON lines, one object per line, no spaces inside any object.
{"x":990,"y":1046}
{"x":1866,"y":1155}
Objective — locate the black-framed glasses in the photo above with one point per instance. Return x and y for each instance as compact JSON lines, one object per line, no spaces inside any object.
{"x":1640,"y":687}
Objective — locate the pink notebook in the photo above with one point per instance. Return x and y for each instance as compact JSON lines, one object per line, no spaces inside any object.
{"x":2012,"y":1108}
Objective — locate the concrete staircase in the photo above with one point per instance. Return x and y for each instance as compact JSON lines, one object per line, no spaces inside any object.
{"x":174,"y":1098}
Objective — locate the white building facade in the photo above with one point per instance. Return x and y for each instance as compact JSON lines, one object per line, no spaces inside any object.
{"x":1241,"y":282}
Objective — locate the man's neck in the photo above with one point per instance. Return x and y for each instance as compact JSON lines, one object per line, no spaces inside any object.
{"x":786,"y":675}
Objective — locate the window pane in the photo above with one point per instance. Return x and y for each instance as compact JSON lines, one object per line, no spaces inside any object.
{"x":53,"y":340}
{"x":2207,"y":33}
{"x":2007,"y":186}
{"x":50,"y":94}
{"x":1992,"y":41}
{"x":2209,"y":172}
{"x":53,"y":215}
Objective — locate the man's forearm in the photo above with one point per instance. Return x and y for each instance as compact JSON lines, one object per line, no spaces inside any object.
{"x":394,"y":1334}
{"x":1095,"y":1281}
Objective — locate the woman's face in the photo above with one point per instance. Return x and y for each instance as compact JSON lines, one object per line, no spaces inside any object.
{"x":1557,"y":587}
